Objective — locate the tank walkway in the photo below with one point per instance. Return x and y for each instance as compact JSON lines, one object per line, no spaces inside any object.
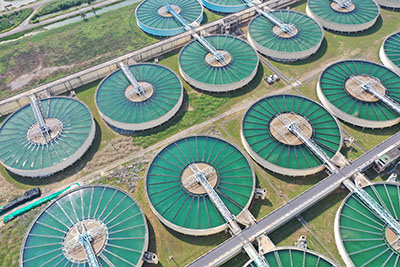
{"x":294,"y":207}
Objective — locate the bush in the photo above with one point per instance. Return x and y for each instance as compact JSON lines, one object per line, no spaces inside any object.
{"x":13,"y":19}
{"x":58,"y":5}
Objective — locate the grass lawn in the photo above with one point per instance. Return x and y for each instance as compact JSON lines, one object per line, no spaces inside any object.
{"x":11,"y":20}
{"x":54,"y":53}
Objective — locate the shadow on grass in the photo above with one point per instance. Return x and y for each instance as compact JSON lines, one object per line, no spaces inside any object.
{"x":301,"y":180}
{"x":293,"y":225}
{"x":205,"y":18}
{"x":296,"y":4}
{"x":237,"y":261}
{"x":346,"y":151}
{"x":69,"y":171}
{"x":381,"y":132}
{"x":257,"y":204}
{"x":376,"y":27}
{"x":240,"y":91}
{"x":391,"y":9}
{"x":209,"y":240}
{"x":152,"y":242}
{"x":172,"y":122}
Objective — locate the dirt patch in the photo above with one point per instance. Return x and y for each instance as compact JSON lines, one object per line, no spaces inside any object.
{"x":8,"y":191}
{"x":31,"y":68}
{"x":38,"y":73}
{"x":116,"y":149}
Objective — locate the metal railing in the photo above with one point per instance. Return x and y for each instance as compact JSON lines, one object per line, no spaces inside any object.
{"x":85,"y":240}
{"x":286,"y":28}
{"x":293,"y":127}
{"x":343,"y":3}
{"x":369,"y":87}
{"x":375,"y":208}
{"x":217,"y":55}
{"x":44,"y":129}
{"x":128,"y":74}
{"x":202,"y":179}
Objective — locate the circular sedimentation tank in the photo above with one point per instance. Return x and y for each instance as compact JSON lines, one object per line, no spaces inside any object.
{"x":362,"y":238}
{"x":390,"y":52}
{"x":126,"y":111}
{"x":340,"y":90}
{"x":302,"y":40}
{"x":180,"y":202}
{"x":200,"y":68}
{"x":266,"y":137}
{"x":111,"y":217}
{"x":153,"y":18}
{"x":224,"y":6}
{"x":358,"y":15}
{"x":26,"y":152}
{"x":292,"y":256}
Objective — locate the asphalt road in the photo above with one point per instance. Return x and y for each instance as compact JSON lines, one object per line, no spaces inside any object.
{"x":294,"y":207}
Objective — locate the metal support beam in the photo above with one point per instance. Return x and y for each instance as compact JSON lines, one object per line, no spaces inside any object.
{"x":374,"y":207}
{"x":286,"y":28}
{"x":128,"y":74}
{"x":369,"y":87}
{"x":202,"y":179}
{"x":343,"y":3}
{"x":292,"y":126}
{"x":44,"y":129}
{"x":85,"y":240}
{"x":217,"y":55}
{"x":225,"y":212}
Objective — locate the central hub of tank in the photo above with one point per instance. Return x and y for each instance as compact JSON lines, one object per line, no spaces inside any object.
{"x":279,"y":32}
{"x":133,"y":96}
{"x":279,"y":130}
{"x":392,"y":239}
{"x":162,"y":11}
{"x":353,"y":87}
{"x":189,"y":180}
{"x":212,"y":61}
{"x":54,"y":129}
{"x":72,"y":247}
{"x":338,"y":8}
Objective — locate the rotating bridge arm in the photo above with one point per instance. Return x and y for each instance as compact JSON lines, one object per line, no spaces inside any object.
{"x":286,"y":28}
{"x":217,"y":55}
{"x":44,"y":128}
{"x":128,"y":74}
{"x":85,"y":240}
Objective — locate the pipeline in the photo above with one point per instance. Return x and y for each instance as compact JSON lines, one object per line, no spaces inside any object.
{"x":38,"y":203}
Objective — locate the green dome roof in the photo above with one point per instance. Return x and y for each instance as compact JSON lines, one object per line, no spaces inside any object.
{"x":309,"y":33}
{"x":362,"y":234}
{"x":117,"y":109}
{"x":268,"y":143}
{"x":21,"y":154}
{"x":290,"y":256}
{"x":182,"y":209}
{"x":243,"y":63}
{"x":333,"y":87}
{"x":364,"y":12}
{"x":111,"y":217}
